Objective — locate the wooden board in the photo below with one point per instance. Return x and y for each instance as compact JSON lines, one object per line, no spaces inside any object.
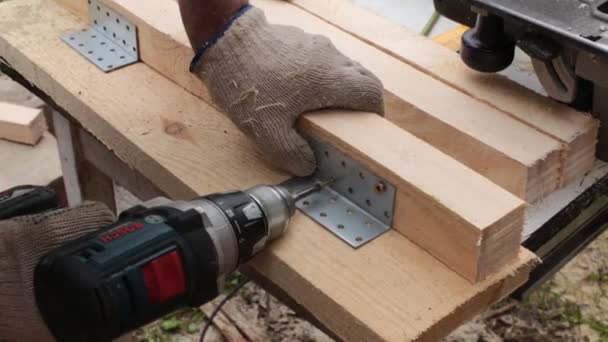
{"x":389,"y":289}
{"x":21,"y":124}
{"x":439,"y":213}
{"x":576,"y":131}
{"x":513,"y":155}
{"x":474,"y":253}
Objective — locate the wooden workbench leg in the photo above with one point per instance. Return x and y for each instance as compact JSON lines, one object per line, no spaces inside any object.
{"x":82,"y":180}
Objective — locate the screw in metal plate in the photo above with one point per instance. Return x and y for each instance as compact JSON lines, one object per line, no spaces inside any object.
{"x":380,"y":187}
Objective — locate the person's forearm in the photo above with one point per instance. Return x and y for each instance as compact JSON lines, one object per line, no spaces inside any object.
{"x":203,"y":18}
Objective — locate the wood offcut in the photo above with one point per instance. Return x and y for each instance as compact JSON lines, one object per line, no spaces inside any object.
{"x":21,"y":124}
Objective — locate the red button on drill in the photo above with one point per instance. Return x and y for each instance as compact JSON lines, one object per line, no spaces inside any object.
{"x":164,"y":277}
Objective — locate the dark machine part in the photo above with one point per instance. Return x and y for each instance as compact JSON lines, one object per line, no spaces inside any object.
{"x":26,"y":200}
{"x":566,"y":39}
{"x":566,"y":234}
{"x":158,"y":257}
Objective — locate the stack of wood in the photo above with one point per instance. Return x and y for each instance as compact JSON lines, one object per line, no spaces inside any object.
{"x":466,"y":152}
{"x":527,"y":144}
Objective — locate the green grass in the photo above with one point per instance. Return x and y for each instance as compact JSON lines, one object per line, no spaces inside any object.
{"x":183,"y":321}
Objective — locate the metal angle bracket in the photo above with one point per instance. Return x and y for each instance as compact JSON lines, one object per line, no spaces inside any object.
{"x":110,"y":41}
{"x":358,"y":207}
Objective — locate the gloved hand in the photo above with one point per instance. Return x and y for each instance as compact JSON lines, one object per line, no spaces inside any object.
{"x":23,"y":241}
{"x":264,"y":76}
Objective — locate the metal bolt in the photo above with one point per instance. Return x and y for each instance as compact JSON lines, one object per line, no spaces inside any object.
{"x":380,"y":187}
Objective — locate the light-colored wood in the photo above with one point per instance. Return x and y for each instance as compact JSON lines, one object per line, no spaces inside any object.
{"x":513,"y":155}
{"x":67,"y":157}
{"x":576,"y":131}
{"x":81,"y":179}
{"x":390,"y":289}
{"x":451,"y":39}
{"x":21,"y":124}
{"x":453,"y":230}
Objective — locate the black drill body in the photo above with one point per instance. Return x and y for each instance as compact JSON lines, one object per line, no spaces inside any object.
{"x":158,"y":257}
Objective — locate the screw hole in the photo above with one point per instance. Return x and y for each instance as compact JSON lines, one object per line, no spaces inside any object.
{"x":84,"y":30}
{"x":134,"y":49}
{"x":351,"y":191}
{"x":359,"y":239}
{"x":349,"y":211}
{"x":98,"y":8}
{"x":93,"y":36}
{"x":107,"y":14}
{"x":114,"y":34}
{"x":326,"y":153}
{"x":117,"y":21}
{"x":124,"y":42}
{"x":368,"y":202}
{"x":361,"y":175}
{"x":90,"y":52}
{"x":306,"y":203}
{"x":343,"y":164}
{"x":340,"y":226}
{"x":122,"y":57}
{"x":80,"y":44}
{"x":387,"y":214}
{"x":95,"y":21}
{"x":112,"y":50}
{"x":103,"y":43}
{"x":110,"y":66}
{"x":71,"y":38}
{"x":100,"y":59}
{"x":323,"y":214}
{"x":128,"y":28}
{"x":105,"y":28}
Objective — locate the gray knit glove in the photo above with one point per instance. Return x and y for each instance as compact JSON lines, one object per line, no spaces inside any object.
{"x":264,"y":76}
{"x":23,"y":241}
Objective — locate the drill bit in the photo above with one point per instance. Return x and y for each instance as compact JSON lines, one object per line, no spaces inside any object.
{"x":318,"y":186}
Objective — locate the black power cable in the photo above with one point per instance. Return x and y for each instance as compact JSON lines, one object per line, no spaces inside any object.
{"x":229,"y":296}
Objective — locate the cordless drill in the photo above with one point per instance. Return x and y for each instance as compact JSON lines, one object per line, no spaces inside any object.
{"x":159,"y":256}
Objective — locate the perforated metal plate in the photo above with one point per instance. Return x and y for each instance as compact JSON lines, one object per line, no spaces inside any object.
{"x":110,"y":42}
{"x":358,"y":206}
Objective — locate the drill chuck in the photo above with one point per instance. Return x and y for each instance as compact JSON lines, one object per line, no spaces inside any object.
{"x":158,"y":257}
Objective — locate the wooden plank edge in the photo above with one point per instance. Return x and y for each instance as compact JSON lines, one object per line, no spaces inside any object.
{"x":428,"y":200}
{"x":517,"y":275}
{"x":497,"y":165}
{"x":497,"y":287}
{"x":581,"y":159}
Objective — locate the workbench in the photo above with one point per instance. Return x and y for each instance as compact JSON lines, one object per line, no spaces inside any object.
{"x":128,"y":128}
